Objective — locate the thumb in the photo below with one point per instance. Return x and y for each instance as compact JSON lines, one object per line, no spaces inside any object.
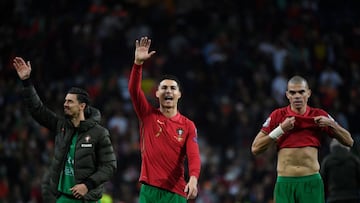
{"x":186,"y":188}
{"x":152,"y":53}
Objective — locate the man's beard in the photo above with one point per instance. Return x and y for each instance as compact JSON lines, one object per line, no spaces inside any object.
{"x":67,"y":115}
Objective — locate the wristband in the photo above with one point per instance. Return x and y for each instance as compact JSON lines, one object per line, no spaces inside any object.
{"x":276,"y":133}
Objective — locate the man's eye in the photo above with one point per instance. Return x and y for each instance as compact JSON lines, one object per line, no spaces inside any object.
{"x":294,"y":92}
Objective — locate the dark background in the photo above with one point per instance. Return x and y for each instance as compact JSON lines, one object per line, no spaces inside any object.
{"x":231,"y":56}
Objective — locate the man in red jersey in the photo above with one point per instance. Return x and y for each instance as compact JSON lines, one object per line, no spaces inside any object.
{"x":297,"y":130}
{"x":166,"y":138}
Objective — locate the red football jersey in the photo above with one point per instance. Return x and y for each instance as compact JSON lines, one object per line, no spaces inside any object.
{"x":165,"y":142}
{"x":305,"y":132}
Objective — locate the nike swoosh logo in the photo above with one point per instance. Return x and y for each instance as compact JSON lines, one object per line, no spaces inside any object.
{"x":160,"y":122}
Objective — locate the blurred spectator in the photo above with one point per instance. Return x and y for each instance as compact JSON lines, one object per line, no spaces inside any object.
{"x":94,"y":40}
{"x":341,"y":174}
{"x":329,"y":85}
{"x":278,"y":87}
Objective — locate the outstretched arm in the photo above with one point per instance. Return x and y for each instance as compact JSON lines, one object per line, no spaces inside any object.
{"x":140,"y":103}
{"x":40,"y":113}
{"x":142,"y":50}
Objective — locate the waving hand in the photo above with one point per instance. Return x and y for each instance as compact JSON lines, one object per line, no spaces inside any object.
{"x":142,"y":50}
{"x":23,"y":69}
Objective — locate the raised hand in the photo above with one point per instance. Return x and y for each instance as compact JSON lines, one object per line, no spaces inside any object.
{"x":142,"y":50}
{"x":23,"y":69}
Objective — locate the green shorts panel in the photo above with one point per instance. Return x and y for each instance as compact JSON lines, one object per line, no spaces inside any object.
{"x":302,"y":189}
{"x":151,"y":194}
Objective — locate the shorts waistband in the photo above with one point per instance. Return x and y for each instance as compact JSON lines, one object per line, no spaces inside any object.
{"x":315,"y":176}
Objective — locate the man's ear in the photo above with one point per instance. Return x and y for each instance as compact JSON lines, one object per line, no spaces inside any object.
{"x":83,"y":106}
{"x":157,"y":94}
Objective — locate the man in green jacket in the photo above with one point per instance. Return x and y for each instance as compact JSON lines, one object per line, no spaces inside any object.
{"x":84,"y":158}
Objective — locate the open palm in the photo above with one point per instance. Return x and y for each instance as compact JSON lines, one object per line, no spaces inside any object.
{"x":23,"y":69}
{"x":142,"y":50}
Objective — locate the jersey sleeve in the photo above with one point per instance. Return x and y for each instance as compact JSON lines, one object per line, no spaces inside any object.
{"x":138,"y":98}
{"x":192,"y":151}
{"x":270,"y":123}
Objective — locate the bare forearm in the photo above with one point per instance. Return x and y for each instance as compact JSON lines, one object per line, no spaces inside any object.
{"x":260,"y":144}
{"x":342,"y":135}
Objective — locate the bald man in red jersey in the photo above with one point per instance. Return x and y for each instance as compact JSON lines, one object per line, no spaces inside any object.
{"x":167,"y":138}
{"x":297,"y":130}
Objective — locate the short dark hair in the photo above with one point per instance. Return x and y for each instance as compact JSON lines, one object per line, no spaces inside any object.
{"x":81,"y":95}
{"x":298,"y":79}
{"x":170,"y":77}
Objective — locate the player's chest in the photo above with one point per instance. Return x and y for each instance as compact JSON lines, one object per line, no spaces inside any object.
{"x":167,"y":130}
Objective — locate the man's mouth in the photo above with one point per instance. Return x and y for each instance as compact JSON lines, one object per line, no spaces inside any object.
{"x":168,"y":98}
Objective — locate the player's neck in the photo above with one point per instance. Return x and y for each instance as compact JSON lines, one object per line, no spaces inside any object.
{"x":168,"y":112}
{"x":76,"y":120}
{"x":300,"y":111}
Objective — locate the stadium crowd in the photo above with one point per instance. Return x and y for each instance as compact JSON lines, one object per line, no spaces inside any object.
{"x":233,"y":58}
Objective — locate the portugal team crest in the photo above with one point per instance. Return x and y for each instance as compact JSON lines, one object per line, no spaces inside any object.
{"x":87,"y":138}
{"x":180,"y":133}
{"x":87,"y":143}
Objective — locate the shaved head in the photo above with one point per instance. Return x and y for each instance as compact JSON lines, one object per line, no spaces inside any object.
{"x":298,"y":80}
